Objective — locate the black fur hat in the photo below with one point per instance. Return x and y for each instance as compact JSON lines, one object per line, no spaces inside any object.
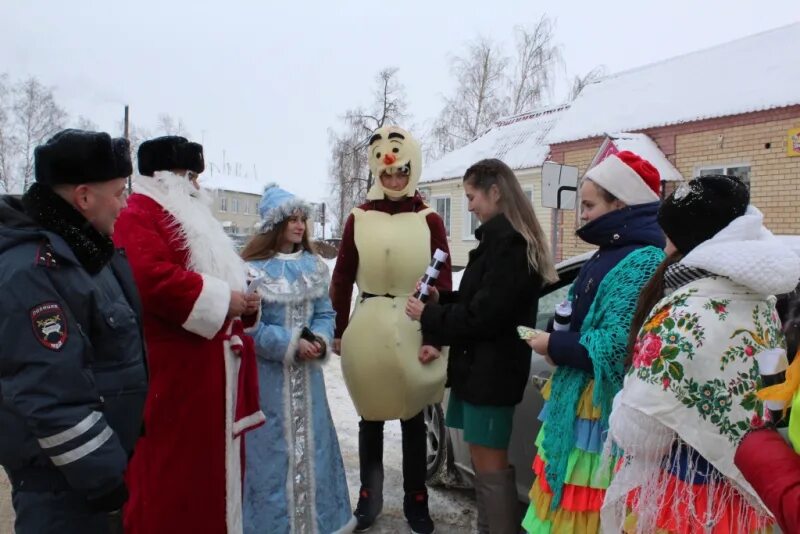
{"x":698,"y":210}
{"x":79,"y":157}
{"x":168,"y":153}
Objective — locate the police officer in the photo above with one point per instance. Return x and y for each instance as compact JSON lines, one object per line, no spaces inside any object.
{"x":73,"y":377}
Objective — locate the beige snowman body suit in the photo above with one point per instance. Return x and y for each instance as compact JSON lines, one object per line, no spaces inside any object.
{"x":387,"y":243}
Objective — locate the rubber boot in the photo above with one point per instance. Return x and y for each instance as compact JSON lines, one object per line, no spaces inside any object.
{"x":497,"y":493}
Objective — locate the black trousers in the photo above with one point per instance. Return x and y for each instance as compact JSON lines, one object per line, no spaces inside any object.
{"x":370,"y":453}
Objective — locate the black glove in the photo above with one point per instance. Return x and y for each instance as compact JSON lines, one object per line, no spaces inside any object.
{"x":311,"y":337}
{"x":111,"y":501}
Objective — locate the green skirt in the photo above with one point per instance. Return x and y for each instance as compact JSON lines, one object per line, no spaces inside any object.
{"x":488,"y":426}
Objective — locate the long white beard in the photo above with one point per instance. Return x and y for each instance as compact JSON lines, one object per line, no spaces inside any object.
{"x":211,"y":250}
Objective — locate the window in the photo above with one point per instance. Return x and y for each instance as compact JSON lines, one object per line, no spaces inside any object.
{"x":223,"y":204}
{"x":528,"y":193}
{"x":235,"y":205}
{"x":471,"y":223}
{"x":442,"y":207}
{"x":740,"y":171}
{"x":247,"y":207}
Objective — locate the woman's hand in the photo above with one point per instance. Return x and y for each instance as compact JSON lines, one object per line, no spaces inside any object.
{"x":433,"y":293}
{"x":428,"y":353}
{"x":414,"y":308}
{"x":540,"y":344}
{"x":307,"y":350}
{"x":253,"y":303}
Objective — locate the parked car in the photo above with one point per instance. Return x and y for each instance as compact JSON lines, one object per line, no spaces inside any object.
{"x":448,"y":454}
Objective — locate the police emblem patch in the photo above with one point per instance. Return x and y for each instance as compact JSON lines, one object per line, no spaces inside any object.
{"x":49,"y":325}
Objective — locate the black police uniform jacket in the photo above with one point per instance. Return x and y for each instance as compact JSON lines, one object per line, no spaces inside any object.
{"x":73,"y":376}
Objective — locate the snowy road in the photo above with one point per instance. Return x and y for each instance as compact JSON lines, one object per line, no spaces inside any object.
{"x":453,"y":511}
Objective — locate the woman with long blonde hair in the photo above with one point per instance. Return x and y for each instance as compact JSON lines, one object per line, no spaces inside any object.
{"x":488,"y":364}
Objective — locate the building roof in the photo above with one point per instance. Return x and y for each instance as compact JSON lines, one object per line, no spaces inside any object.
{"x":645,"y":147}
{"x":754,"y":73}
{"x":236,"y":184}
{"x":517,"y":140}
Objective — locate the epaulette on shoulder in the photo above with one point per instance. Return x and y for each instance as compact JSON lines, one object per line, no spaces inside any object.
{"x":45,"y":256}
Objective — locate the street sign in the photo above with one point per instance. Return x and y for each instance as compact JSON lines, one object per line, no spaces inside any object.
{"x":559,"y":186}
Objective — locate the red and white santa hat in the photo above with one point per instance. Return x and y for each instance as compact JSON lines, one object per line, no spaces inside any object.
{"x":628,"y":177}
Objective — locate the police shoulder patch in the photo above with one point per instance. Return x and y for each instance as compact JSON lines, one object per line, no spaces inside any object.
{"x":49,"y":325}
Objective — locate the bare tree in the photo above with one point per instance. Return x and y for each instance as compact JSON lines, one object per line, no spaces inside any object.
{"x":38,"y":117}
{"x":534,"y":67}
{"x":8,"y":141}
{"x":479,"y":98}
{"x":167,"y":125}
{"x":350,"y":175}
{"x":85,"y":123}
{"x":579,"y":82}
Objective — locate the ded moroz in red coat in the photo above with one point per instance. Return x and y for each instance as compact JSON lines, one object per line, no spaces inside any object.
{"x":186,"y":471}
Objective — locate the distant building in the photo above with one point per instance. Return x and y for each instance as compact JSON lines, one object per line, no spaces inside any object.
{"x":732,"y":108}
{"x":235,"y":202}
{"x":519,"y":142}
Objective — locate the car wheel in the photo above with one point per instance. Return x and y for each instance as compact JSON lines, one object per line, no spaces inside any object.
{"x":436,"y":437}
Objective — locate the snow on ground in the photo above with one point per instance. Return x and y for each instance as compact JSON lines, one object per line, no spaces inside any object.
{"x":453,"y":511}
{"x":6,"y":511}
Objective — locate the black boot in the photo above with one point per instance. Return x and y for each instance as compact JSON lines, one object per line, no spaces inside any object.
{"x":415,"y":502}
{"x":370,"y":456}
{"x":415,"y":508}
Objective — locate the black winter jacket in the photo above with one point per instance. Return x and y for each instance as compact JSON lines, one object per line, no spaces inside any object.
{"x":488,"y":363}
{"x":73,"y":376}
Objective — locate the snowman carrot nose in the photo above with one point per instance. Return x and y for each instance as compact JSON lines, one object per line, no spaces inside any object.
{"x":388,"y":159}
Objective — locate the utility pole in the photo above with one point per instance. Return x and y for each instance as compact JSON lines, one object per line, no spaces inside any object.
{"x":128,"y":137}
{"x":322,"y":216}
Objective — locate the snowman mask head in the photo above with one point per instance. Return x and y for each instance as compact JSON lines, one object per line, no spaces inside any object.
{"x":391,"y":150}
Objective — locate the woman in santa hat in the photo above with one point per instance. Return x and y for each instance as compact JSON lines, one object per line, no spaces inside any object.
{"x":295,"y":481}
{"x":619,"y":202}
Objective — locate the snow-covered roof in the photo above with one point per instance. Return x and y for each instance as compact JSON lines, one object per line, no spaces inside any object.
{"x":517,"y":140}
{"x":645,"y":147}
{"x":751,"y":74}
{"x":237,"y":184}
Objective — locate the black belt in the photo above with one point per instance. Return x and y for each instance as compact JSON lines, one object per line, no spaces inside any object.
{"x":365,"y":296}
{"x":38,"y":479}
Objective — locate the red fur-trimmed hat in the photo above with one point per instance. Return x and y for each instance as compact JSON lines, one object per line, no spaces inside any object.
{"x":627,"y":176}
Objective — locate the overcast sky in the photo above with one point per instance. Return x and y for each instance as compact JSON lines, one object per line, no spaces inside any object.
{"x":264,"y":81}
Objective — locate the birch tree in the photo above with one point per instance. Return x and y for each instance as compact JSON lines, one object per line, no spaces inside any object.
{"x":349,"y":170}
{"x":38,"y":117}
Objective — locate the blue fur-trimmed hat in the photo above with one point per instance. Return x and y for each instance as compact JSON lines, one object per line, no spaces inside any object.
{"x":278,"y":204}
{"x":79,"y":156}
{"x":168,"y":153}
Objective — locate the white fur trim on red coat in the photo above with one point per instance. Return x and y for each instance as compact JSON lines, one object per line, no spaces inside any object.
{"x":613,"y":175}
{"x":210,"y":308}
{"x":248,"y":423}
